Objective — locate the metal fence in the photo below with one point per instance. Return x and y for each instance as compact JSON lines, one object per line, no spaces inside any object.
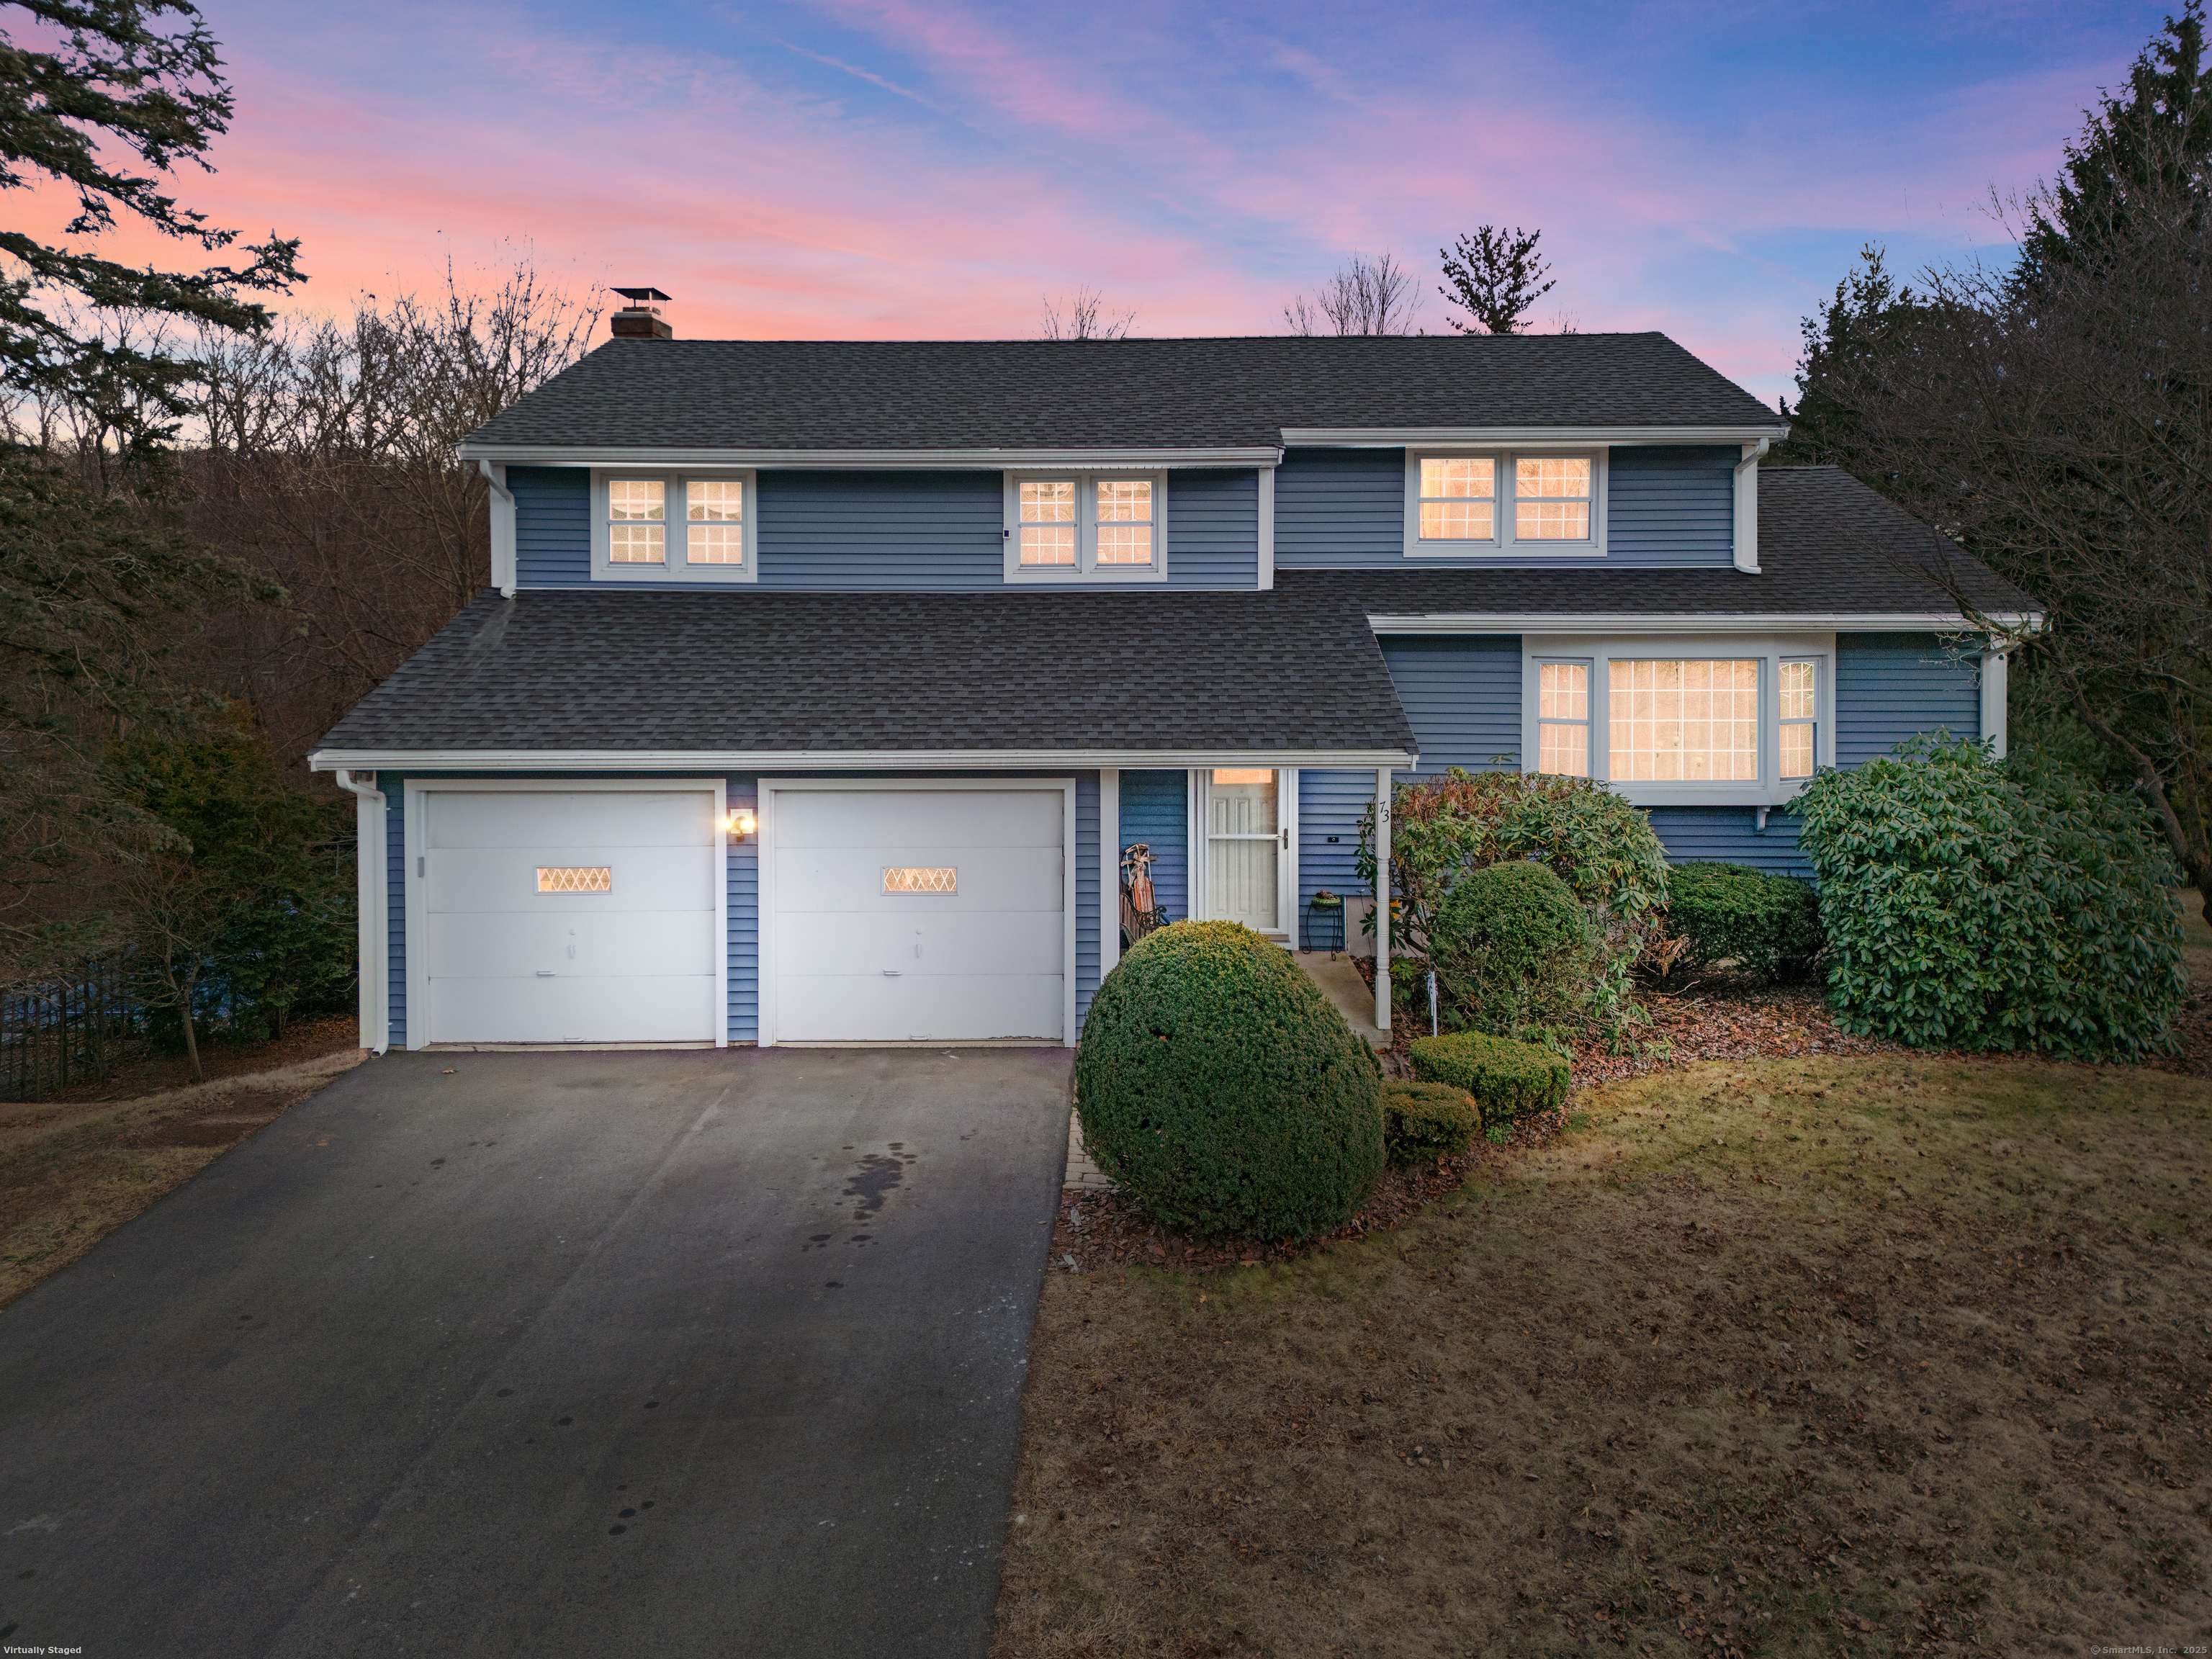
{"x":74,"y":1029}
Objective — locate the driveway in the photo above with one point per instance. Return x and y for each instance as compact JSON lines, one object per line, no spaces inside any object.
{"x":665,"y":1353}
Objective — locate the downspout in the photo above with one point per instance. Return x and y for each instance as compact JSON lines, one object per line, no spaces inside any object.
{"x":502,"y":529}
{"x":1747,"y":507}
{"x":369,"y":904}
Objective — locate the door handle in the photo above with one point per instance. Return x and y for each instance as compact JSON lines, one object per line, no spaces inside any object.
{"x":891,"y":973}
{"x":544,"y":973}
{"x":1286,"y":839}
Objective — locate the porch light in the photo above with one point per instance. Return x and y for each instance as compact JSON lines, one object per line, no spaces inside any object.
{"x":740,"y":822}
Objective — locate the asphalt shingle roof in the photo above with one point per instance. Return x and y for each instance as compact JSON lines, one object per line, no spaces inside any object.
{"x":1826,"y":544}
{"x":800,"y":672}
{"x":1071,"y":394}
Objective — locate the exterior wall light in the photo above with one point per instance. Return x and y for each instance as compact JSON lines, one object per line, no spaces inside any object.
{"x":740,"y":823}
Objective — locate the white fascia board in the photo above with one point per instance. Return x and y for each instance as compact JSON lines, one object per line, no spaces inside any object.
{"x":1824,"y":621}
{"x":873,"y":461}
{"x":783,"y":760}
{"x":1366,"y":437}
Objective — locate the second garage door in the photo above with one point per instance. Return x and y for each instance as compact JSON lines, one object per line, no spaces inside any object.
{"x":918,"y":914}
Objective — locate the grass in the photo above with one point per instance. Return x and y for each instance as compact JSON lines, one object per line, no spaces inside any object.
{"x":1785,"y":1357}
{"x":71,"y":1171}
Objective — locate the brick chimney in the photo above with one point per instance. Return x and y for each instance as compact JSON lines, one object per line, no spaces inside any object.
{"x":641,"y":319}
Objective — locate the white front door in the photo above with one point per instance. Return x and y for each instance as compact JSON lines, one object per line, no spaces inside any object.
{"x":567,"y":916}
{"x":908,"y":915}
{"x":1243,"y":846}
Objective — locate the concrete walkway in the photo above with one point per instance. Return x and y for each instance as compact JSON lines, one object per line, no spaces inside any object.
{"x":552,"y":1354}
{"x":1339,"y":981}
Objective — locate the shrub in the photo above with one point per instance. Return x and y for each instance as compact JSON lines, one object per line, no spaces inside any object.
{"x":1509,"y":1080}
{"x":1425,"y":1121}
{"x":1768,"y":925}
{"x":1219,"y":1087}
{"x":1978,"y":904}
{"x":1442,"y":829}
{"x":1512,"y":950}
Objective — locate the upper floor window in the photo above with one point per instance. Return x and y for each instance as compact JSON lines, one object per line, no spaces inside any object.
{"x":1459,"y":504}
{"x":1080,"y":525}
{"x":1745,"y":726}
{"x":672,"y":527}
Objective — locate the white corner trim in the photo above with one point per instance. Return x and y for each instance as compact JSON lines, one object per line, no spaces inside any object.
{"x":872,"y":460}
{"x":414,"y":807}
{"x":1747,"y":507}
{"x":371,"y":909}
{"x":1109,"y":870}
{"x":765,"y":920}
{"x":541,"y":761}
{"x":502,"y":528}
{"x":1993,"y":677}
{"x":1266,"y":529}
{"x":1557,"y":622}
{"x":1382,"y":901}
{"x":1363,"y":437}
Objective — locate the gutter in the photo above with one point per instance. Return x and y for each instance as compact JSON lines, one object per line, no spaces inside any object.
{"x":370,"y":894}
{"x":678,"y":761}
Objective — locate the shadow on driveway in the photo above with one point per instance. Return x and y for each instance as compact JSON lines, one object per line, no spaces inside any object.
{"x":561,"y":1353}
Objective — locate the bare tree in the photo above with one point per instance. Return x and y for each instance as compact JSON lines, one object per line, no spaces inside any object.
{"x":1494,"y":275}
{"x":1083,"y":320}
{"x":1364,"y":297}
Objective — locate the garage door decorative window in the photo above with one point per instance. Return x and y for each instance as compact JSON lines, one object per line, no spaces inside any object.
{"x":599,"y":878}
{"x":913,"y":878}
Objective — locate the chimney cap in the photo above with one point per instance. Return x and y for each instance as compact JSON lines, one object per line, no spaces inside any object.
{"x":641,"y":295}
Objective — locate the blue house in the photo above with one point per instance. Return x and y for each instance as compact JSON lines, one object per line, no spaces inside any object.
{"x":821,"y":684}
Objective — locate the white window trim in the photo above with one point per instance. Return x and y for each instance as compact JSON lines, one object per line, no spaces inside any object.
{"x":1505,"y":543}
{"x":414,"y":806}
{"x":1599,"y":651}
{"x":678,"y":570}
{"x":1197,"y":817}
{"x":1086,"y":567}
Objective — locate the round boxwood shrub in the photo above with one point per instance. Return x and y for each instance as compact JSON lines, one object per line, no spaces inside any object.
{"x":1220,"y":1088}
{"x":1424,"y":1121}
{"x":1513,"y":949}
{"x":1768,"y":925}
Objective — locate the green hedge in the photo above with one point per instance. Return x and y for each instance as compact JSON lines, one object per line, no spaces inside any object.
{"x":1509,"y":1080}
{"x":1222,"y":1090}
{"x":1513,"y":951}
{"x":1977,"y":904}
{"x":1768,"y":925}
{"x":1424,"y":1121}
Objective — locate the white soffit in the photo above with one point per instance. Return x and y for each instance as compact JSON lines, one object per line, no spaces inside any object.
{"x":781,"y":761}
{"x":893,"y":461}
{"x":1365,"y":437}
{"x":1824,"y":621}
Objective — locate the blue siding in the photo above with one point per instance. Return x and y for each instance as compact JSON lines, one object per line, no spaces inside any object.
{"x":395,"y":905}
{"x":1890,"y":687}
{"x":1086,"y":892}
{"x":1156,"y":810}
{"x":1462,"y":693}
{"x":1346,"y":508}
{"x":1330,"y":806}
{"x":1729,"y":835}
{"x":1671,"y":506}
{"x":1214,"y":530}
{"x":552,"y":526}
{"x":1340,"y":508}
{"x":934,"y":531}
{"x":741,"y":921}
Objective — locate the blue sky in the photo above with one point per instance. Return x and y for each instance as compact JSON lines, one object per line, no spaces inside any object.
{"x":889,"y":167}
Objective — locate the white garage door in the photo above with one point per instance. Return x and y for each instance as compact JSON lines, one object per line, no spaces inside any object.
{"x":570,"y":916}
{"x":903,"y":914}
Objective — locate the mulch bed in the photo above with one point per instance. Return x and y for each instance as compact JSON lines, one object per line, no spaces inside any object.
{"x":1715,"y":1020}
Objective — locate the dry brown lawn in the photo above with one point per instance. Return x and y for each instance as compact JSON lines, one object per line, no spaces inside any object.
{"x":1857,"y":1356}
{"x":72,"y":1172}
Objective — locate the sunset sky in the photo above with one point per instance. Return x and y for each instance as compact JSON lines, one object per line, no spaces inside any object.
{"x":888,"y":168}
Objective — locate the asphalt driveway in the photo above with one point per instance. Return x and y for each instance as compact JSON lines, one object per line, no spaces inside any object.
{"x":667,"y":1353}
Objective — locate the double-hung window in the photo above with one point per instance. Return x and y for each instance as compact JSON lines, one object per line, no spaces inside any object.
{"x":1694,"y":721}
{"x":655,"y":527}
{"x":1073,"y":526}
{"x":1461,"y":503}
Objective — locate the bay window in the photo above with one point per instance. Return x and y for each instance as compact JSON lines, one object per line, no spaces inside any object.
{"x":1075,"y":525}
{"x":1690,"y":720}
{"x":1463,"y":503}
